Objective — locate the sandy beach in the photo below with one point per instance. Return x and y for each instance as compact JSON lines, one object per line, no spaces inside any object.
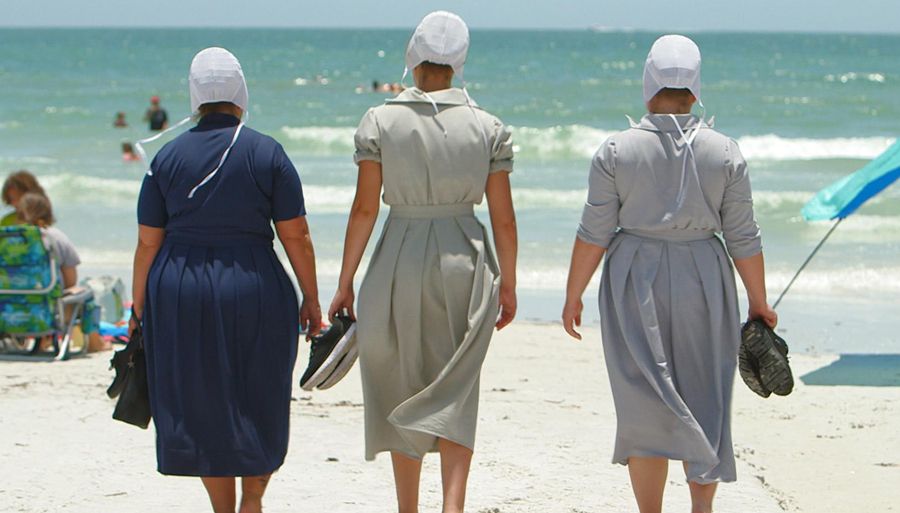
{"x":545,"y":441}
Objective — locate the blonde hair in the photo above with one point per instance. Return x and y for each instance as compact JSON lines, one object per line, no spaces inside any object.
{"x":35,"y":209}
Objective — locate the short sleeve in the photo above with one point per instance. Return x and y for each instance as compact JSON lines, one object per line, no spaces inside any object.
{"x":63,"y":249}
{"x":739,"y":227}
{"x":600,"y":217}
{"x":501,"y":149}
{"x":151,"y":209}
{"x":68,"y":255}
{"x":287,"y":193}
{"x":367,"y":139}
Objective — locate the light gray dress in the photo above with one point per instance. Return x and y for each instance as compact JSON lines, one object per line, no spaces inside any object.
{"x":668,"y":303}
{"x":429,"y":301}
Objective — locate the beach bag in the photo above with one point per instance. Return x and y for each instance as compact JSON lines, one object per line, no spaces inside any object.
{"x":109,"y":296}
{"x":763,"y":361}
{"x":130,"y":383}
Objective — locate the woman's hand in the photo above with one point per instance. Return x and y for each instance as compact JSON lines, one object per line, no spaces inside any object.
{"x":343,"y":300}
{"x":310,"y":317}
{"x":571,"y":317}
{"x":507,"y":305}
{"x":764,"y":313}
{"x":134,"y":322}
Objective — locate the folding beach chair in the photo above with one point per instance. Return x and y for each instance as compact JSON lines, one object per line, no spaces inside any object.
{"x":33,"y":304}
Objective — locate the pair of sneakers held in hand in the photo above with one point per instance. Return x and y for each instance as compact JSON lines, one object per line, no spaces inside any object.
{"x":762,"y":360}
{"x":331,"y":354}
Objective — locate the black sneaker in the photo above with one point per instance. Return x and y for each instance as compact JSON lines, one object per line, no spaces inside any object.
{"x":326,"y":351}
{"x":766,"y":356}
{"x":346,"y":362}
{"x":749,"y":369}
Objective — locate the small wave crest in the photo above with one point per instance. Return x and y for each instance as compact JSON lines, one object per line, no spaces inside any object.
{"x":581,"y":141}
{"x":87,"y":189}
{"x":320,"y":140}
{"x":857,"y":282}
{"x":70,"y":187}
{"x":773,"y":147}
{"x":559,"y":141}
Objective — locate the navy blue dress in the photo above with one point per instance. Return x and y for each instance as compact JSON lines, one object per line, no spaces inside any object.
{"x":221,"y":315}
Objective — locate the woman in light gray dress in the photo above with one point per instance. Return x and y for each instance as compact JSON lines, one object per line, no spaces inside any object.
{"x":431,"y":297}
{"x":659,"y":193}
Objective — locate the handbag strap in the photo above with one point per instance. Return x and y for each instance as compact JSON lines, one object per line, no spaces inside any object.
{"x":136,"y":335}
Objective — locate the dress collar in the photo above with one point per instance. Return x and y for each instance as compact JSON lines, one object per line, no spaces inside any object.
{"x":217,"y":120}
{"x":665,"y":123}
{"x":452,"y":96}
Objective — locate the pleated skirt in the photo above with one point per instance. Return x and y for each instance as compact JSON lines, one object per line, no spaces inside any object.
{"x":671,"y":330}
{"x":221,"y":331}
{"x":427,"y":309}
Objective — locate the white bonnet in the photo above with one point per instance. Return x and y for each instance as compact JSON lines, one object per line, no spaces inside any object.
{"x":216,"y":76}
{"x":673,"y":62}
{"x":441,"y":38}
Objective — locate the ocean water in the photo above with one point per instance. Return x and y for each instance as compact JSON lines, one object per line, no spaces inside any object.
{"x":805,"y":108}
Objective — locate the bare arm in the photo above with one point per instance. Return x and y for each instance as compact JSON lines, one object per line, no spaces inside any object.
{"x":753,"y":273}
{"x":585,"y":260}
{"x":69,"y":276}
{"x":503,"y":223}
{"x":297,"y":241}
{"x":150,"y":239}
{"x":363,"y":214}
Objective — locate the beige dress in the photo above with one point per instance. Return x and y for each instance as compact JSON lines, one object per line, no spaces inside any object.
{"x":429,"y":301}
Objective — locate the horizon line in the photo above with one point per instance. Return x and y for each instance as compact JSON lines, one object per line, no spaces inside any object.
{"x":590,"y":28}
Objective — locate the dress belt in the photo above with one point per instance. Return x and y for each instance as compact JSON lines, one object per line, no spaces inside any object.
{"x":671,"y":235}
{"x":432,"y":211}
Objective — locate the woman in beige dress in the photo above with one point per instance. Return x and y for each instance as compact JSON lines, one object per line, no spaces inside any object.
{"x":433,"y":292}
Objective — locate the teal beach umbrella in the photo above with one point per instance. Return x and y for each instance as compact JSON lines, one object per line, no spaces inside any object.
{"x":845,"y":196}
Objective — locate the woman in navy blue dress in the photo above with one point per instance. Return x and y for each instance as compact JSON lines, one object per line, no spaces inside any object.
{"x":219,"y":313}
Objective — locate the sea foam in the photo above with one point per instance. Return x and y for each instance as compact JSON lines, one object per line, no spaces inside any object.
{"x":581,"y":141}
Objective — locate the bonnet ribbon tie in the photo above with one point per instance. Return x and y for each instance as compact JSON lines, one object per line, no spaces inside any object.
{"x":436,"y":112}
{"x":689,"y":150}
{"x":211,"y":174}
{"x":139,"y":145}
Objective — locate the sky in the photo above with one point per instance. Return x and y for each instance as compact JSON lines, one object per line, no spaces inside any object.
{"x":865,"y":16}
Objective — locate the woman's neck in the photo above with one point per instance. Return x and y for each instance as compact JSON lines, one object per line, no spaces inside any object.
{"x":431,"y":85}
{"x":231,"y":110}
{"x":671,"y":110}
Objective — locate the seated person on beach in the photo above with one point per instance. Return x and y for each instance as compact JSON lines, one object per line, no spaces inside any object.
{"x":17,"y":184}
{"x":120,"y":122}
{"x":128,"y":153}
{"x":35,"y":209}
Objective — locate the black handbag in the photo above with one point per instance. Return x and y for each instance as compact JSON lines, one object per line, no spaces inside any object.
{"x":130,"y":383}
{"x":763,"y":361}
